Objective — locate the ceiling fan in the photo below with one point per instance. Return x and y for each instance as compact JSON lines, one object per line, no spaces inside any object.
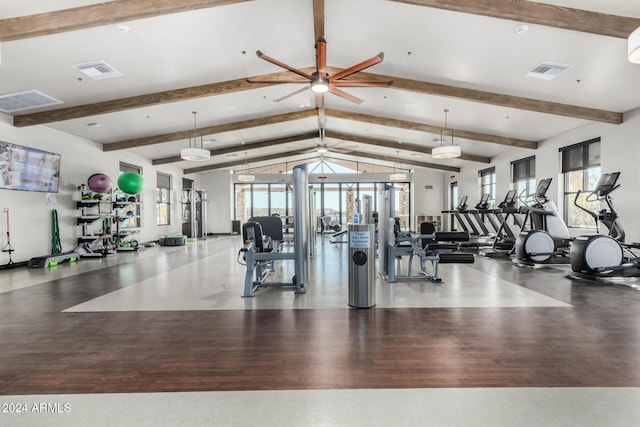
{"x":320,"y":81}
{"x":338,"y":147}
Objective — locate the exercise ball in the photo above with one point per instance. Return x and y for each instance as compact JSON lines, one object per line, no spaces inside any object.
{"x":130,"y":183}
{"x":99,"y":183}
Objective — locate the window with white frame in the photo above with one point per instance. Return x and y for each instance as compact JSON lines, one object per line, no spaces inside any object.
{"x":581,"y":171}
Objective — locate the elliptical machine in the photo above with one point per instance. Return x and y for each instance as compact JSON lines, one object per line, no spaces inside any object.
{"x":548,"y":239}
{"x":601,"y":255}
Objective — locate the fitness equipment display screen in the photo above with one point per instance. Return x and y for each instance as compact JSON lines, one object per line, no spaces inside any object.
{"x":29,"y":169}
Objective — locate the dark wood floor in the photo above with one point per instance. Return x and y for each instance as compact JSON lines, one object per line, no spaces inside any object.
{"x":43,"y":350}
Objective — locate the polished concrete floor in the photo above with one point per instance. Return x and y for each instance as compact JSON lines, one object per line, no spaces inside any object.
{"x":494,"y":344}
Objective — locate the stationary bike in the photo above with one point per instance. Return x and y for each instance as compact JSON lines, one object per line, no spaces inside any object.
{"x":604,"y":255}
{"x":548,"y":239}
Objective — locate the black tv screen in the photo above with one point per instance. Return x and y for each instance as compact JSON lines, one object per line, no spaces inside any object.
{"x":29,"y":169}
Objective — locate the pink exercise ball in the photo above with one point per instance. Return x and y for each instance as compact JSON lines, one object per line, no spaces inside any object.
{"x":99,"y":183}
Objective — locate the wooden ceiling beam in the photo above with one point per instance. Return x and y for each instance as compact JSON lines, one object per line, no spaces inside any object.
{"x":273,"y":156}
{"x":244,"y":147}
{"x":358,"y":154}
{"x":397,"y":145}
{"x":209,"y":130}
{"x":95,"y":15}
{"x":540,"y":13}
{"x":115,"y":11}
{"x":493,"y":98}
{"x":422,"y":127}
{"x":298,"y":115}
{"x":138,"y":101}
{"x":369,"y":155}
{"x":237,"y":85}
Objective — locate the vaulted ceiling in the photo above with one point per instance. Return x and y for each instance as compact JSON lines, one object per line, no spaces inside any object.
{"x":470,"y":57}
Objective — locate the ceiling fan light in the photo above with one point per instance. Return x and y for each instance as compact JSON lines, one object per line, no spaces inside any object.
{"x":321,"y":148}
{"x":633,"y":46}
{"x":446,"y":152}
{"x":195,"y":154}
{"x":320,"y":85}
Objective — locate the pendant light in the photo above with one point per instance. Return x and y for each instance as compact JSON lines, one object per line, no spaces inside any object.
{"x":446,"y":150}
{"x":397,"y":176}
{"x":246,"y":177}
{"x":195,"y":152}
{"x":633,"y":47}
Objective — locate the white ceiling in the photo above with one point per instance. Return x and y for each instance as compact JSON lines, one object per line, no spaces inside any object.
{"x":218,"y":44}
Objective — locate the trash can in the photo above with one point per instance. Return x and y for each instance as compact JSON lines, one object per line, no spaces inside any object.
{"x":362,"y":265}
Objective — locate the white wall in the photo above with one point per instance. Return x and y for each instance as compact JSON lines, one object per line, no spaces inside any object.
{"x":428,"y":201}
{"x":30,"y":213}
{"x":219,"y":206}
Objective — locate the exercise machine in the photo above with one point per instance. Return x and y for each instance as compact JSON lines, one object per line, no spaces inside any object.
{"x":427,"y":245}
{"x":548,"y":240}
{"x":480,"y":211}
{"x":262,"y":237}
{"x":599,"y":255}
{"x":455,"y":214}
{"x":194,"y":213}
{"x":504,"y":239}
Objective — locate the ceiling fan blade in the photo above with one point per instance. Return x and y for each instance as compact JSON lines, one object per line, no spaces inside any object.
{"x":364,"y":83}
{"x":358,"y":67}
{"x":319,"y":100}
{"x":283,"y":65}
{"x":321,"y":56}
{"x":292,"y":94}
{"x":277,"y":81}
{"x":345,"y":95}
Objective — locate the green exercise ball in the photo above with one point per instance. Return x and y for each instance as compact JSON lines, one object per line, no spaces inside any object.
{"x":130,"y":183}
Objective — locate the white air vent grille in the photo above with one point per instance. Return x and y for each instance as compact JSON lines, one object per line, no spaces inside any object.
{"x":548,"y":70}
{"x":98,"y":70}
{"x":25,"y":100}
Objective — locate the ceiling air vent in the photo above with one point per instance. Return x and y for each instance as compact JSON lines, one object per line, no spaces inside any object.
{"x":547,"y":70}
{"x":25,"y":100}
{"x":98,"y":70}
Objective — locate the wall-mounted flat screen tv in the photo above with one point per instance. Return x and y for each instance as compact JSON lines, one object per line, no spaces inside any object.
{"x":29,"y":169}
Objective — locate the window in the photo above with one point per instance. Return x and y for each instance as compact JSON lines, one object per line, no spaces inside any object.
{"x":335,"y":202}
{"x":163,"y":188}
{"x":131,"y":211}
{"x":581,"y":171}
{"x":523,"y":175}
{"x":487,"y":179}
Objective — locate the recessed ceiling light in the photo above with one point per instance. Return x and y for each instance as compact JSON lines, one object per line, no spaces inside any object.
{"x":522,"y":28}
{"x":122,"y":28}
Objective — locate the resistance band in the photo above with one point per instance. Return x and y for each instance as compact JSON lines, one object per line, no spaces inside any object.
{"x":56,"y":246}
